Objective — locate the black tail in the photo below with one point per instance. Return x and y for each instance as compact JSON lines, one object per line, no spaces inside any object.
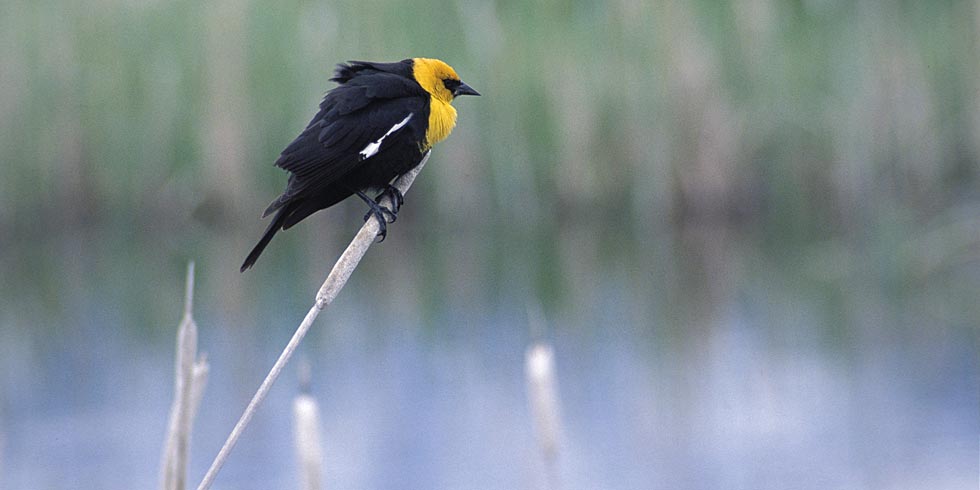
{"x":274,"y":227}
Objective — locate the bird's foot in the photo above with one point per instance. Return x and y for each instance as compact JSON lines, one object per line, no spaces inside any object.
{"x":396,"y":196}
{"x":382,"y":213}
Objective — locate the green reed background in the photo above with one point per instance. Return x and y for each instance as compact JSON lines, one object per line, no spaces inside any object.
{"x":839,"y":138}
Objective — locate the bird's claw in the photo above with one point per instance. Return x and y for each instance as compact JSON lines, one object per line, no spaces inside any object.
{"x":382,"y":213}
{"x":396,"y":196}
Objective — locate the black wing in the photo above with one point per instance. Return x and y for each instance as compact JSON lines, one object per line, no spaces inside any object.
{"x":352,"y":116}
{"x":347,"y":71}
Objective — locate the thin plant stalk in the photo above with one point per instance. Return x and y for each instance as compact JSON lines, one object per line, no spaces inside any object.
{"x":545,"y":405}
{"x":190,"y":378}
{"x":328,"y":291}
{"x":542,"y":386}
{"x":306,"y":434}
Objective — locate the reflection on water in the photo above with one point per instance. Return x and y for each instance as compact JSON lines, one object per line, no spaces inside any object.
{"x":684,"y":361}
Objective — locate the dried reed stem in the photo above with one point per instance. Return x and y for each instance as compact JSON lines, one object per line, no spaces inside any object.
{"x":306,"y":434}
{"x":190,"y":378}
{"x":334,"y":282}
{"x":544,"y":402}
{"x":542,"y":387}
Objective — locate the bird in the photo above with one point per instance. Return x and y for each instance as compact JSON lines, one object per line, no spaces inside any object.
{"x":378,"y":123}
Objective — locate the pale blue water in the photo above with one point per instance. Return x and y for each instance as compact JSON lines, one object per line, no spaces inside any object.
{"x":670,"y":377}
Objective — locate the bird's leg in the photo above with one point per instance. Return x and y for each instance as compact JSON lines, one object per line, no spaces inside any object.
{"x":378,"y":211}
{"x":396,"y":196}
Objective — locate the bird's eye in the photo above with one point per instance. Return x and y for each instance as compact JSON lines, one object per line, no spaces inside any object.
{"x":451,"y":84}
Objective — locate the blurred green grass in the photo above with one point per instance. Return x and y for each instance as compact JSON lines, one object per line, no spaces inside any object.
{"x":669,"y":108}
{"x":846,"y":129}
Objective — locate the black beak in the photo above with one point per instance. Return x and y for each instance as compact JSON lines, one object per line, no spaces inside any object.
{"x":464,"y":89}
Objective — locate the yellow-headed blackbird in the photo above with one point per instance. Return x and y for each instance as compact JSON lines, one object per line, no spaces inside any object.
{"x":377,"y":124}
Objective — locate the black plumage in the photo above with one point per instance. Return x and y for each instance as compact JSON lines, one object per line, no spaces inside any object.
{"x":369,"y":129}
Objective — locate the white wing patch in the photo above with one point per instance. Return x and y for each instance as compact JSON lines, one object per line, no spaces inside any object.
{"x":372,"y":148}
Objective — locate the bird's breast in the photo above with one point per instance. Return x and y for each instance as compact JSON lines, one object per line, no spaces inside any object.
{"x":442,"y":119}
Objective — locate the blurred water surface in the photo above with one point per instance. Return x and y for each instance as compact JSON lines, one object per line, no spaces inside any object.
{"x":752,"y":229}
{"x":760,"y":379}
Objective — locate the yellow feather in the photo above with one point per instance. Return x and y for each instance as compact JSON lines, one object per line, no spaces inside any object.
{"x":430,"y":73}
{"x":442,"y":120}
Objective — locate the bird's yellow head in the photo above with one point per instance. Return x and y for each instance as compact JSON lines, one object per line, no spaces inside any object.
{"x":443,"y":84}
{"x":439,"y":79}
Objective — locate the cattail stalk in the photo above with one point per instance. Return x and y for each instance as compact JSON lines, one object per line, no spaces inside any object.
{"x":545,"y":405}
{"x":542,"y":390}
{"x":334,"y":282}
{"x":306,"y":433}
{"x":190,"y":379}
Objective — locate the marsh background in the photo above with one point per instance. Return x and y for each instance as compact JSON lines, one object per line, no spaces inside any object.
{"x":753,"y":228}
